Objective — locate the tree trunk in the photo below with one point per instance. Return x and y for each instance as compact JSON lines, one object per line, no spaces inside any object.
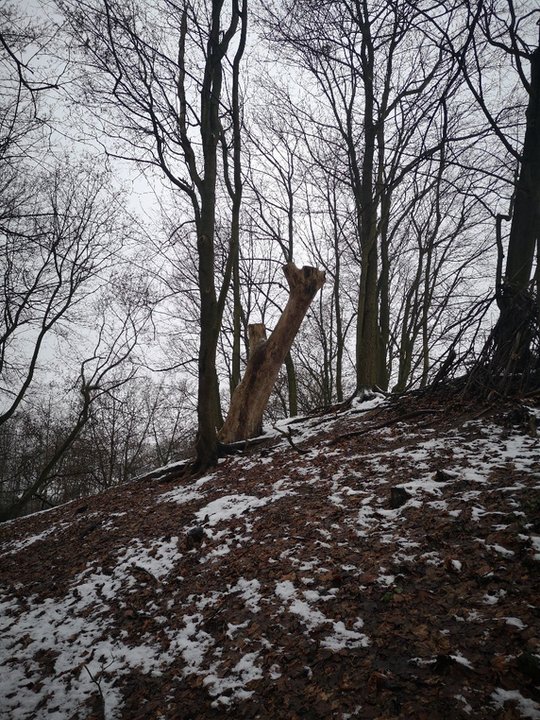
{"x":367,"y":336}
{"x":266,"y":357}
{"x":237,"y":327}
{"x":208,"y":392}
{"x":368,"y":344}
{"x":292,"y":385}
{"x":525,"y":219}
{"x":513,"y":332}
{"x":208,"y":402}
{"x":384,"y":290}
{"x":507,"y":363}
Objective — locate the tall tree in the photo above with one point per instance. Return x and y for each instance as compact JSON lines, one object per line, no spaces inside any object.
{"x":382,"y":83}
{"x":514,"y":331}
{"x":161,"y":71}
{"x":59,"y":223}
{"x":502,"y":33}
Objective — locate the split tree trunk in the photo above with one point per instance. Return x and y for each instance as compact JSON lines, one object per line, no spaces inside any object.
{"x":266,"y":357}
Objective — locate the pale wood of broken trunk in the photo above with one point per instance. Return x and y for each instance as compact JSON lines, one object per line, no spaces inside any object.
{"x":266,"y":357}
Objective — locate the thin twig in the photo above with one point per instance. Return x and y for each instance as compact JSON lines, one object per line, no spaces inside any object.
{"x":100,"y":691}
{"x":288,"y":436}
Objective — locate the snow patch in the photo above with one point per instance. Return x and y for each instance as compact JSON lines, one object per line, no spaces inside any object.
{"x":527,"y":707}
{"x":233,"y":506}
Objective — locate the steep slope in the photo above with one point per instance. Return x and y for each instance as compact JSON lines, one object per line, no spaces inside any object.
{"x":384,"y":564}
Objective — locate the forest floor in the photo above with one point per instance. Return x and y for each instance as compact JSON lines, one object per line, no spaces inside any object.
{"x":385,"y":566}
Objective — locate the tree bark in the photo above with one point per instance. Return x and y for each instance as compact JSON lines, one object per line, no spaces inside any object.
{"x":266,"y":357}
{"x":211,"y":309}
{"x":368,"y":343}
{"x":526,"y":215}
{"x":292,"y":385}
{"x":513,"y":332}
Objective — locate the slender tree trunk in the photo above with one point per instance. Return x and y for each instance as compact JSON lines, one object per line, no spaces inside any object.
{"x":266,"y":357}
{"x":208,"y":403}
{"x":208,"y":415}
{"x":426,"y":303}
{"x":237,"y":327}
{"x":409,"y":328}
{"x":367,"y":365}
{"x":235,"y":190}
{"x":384,"y":294}
{"x":340,"y":339}
{"x":367,"y":330}
{"x":292,"y":385}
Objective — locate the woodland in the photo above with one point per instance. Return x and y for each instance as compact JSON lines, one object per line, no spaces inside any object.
{"x":167,"y":167}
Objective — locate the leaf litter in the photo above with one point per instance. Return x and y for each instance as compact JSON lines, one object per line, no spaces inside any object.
{"x":390,"y":569}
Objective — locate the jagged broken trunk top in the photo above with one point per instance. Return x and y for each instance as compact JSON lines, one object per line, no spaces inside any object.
{"x":266,"y":357}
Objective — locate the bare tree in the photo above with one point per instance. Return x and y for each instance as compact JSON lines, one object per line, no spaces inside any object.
{"x":516,"y":332}
{"x":108,"y":367}
{"x":502,"y":34}
{"x":62,"y":235}
{"x":383,"y":85}
{"x":53,"y":246}
{"x":161,"y":70}
{"x":133,"y":428}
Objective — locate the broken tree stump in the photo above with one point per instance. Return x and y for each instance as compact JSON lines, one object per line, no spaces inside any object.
{"x":250,"y":397}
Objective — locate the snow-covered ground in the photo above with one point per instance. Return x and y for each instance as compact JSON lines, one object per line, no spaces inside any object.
{"x":298,"y":553}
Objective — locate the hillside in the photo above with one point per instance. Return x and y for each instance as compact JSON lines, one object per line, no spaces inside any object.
{"x":382,"y":564}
